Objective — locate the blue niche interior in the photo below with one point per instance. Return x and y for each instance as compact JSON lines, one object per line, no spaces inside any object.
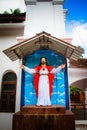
{"x":60,"y":94}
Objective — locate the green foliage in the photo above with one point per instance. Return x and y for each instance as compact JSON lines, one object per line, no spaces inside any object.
{"x":6,"y":12}
{"x":83,"y":51}
{"x":80,"y":47}
{"x":15,"y":11}
{"x":75,"y":90}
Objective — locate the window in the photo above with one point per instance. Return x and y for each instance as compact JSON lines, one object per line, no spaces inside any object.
{"x":8,"y":92}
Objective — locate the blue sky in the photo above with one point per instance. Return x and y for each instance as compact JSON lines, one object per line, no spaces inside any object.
{"x":76,"y":9}
{"x":76,"y":22}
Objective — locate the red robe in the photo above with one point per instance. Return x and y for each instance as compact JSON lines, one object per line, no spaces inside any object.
{"x":50,"y":77}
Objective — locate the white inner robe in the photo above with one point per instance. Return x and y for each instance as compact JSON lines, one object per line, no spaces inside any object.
{"x":43,"y":88}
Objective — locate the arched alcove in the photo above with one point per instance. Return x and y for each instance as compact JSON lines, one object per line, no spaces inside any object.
{"x":60,"y":94}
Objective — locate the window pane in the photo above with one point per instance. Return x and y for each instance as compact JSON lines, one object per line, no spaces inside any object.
{"x":8,"y":88}
{"x":9,"y":77}
{"x":4,"y":102}
{"x":12,"y":103}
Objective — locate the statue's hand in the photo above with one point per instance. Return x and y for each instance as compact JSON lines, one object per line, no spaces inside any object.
{"x":22,"y":67}
{"x":63,"y":66}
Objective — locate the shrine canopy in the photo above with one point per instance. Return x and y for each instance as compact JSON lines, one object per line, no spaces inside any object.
{"x":40,"y":41}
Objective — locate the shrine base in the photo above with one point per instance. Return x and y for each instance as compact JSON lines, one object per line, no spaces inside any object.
{"x":43,"y":118}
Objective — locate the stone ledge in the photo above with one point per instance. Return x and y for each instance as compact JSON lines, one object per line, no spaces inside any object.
{"x":80,"y":122}
{"x":54,"y":109}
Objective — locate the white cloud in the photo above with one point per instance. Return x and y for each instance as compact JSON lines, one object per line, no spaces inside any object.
{"x":31,"y":93}
{"x":78,"y":32}
{"x":61,"y":101}
{"x":62,"y":94}
{"x":26,"y":100}
{"x":54,"y":86}
{"x":62,"y":86}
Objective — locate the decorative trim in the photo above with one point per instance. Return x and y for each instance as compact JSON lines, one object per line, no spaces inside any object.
{"x":30,"y":2}
{"x":55,"y":2}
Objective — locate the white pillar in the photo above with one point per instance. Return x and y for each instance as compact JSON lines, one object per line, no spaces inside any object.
{"x":18,"y":90}
{"x":86,"y":96}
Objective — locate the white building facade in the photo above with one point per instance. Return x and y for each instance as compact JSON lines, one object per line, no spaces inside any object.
{"x":48,"y":16}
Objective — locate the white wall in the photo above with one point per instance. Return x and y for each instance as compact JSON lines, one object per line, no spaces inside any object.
{"x":8,"y":39}
{"x":44,"y":16}
{"x":6,"y":64}
{"x":6,"y":121}
{"x":76,"y":74}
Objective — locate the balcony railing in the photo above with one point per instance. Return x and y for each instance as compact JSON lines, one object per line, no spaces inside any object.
{"x":80,"y":111}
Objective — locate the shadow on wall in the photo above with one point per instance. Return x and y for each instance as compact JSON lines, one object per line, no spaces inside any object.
{"x":81,"y":84}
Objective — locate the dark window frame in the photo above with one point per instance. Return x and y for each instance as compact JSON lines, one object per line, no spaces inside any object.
{"x":8,"y":96}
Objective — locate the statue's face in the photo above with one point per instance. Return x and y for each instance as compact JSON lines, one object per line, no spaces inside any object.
{"x":43,"y":61}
